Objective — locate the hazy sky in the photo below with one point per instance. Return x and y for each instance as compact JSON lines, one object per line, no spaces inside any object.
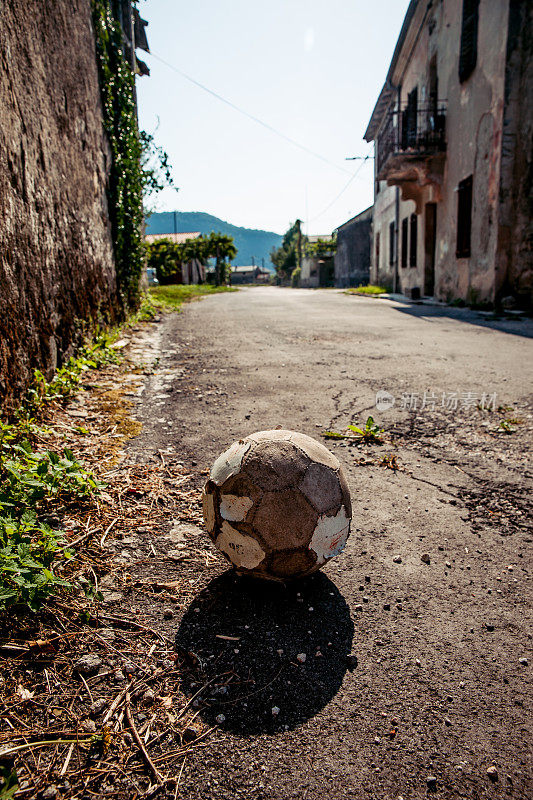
{"x":311,"y":69}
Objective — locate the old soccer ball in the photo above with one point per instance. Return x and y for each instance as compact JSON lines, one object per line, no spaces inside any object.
{"x":277,"y":505}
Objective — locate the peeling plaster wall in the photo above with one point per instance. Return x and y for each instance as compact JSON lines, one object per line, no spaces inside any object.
{"x":381,"y":272}
{"x":514,"y":265}
{"x":56,"y":257}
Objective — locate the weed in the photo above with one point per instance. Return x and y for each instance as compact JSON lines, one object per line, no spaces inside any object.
{"x":505,"y":426}
{"x":370,"y":434}
{"x":27,"y":550}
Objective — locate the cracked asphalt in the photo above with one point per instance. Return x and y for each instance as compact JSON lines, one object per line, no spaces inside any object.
{"x":426,"y":685}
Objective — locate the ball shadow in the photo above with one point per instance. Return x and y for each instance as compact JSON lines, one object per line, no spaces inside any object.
{"x":272,"y":655}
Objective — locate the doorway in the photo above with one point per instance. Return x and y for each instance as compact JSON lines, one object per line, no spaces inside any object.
{"x":430,"y":248}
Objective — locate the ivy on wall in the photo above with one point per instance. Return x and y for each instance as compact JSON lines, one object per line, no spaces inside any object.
{"x":125,"y":193}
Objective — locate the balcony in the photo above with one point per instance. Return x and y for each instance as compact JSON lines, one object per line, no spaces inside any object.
{"x":412,"y":145}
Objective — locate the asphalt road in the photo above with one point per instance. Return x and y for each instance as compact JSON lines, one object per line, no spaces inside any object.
{"x":435,"y":691}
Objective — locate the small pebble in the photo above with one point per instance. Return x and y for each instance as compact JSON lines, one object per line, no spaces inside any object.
{"x":431,"y":781}
{"x":89,"y":725}
{"x":220,"y":718}
{"x":397,"y":559}
{"x":49,"y":793}
{"x":425,"y":558}
{"x":351,"y":661}
{"x":489,"y":626}
{"x":275,"y":711}
{"x":301,"y":658}
{"x":119,"y":676}
{"x":523,"y":661}
{"x":148,"y":697}
{"x":98,"y":706}
{"x":448,"y":565}
{"x":88,"y":665}
{"x":386,"y":607}
{"x":168,"y":613}
{"x":358,"y":607}
{"x":417,"y":662}
{"x":492,"y":772}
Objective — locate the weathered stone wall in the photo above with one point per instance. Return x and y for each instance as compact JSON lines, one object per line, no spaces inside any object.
{"x":56,"y":257}
{"x":352,"y":259}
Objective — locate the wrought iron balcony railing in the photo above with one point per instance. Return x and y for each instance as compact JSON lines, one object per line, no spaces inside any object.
{"x":413,"y":133}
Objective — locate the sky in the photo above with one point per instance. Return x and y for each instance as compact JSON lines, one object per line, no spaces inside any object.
{"x":310,"y":69}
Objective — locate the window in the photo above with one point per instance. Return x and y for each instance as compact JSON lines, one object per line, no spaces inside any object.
{"x":409,"y":120}
{"x":468,"y":51}
{"x":405,"y":233}
{"x":391,"y":244}
{"x":412,"y":243}
{"x":377,"y":254}
{"x":464,"y":217}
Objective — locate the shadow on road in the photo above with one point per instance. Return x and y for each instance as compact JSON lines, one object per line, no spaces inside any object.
{"x":257,"y":669}
{"x":520,"y":326}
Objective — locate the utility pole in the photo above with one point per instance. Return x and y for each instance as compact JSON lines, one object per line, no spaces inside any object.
{"x":299,"y":224}
{"x":175,"y":221}
{"x":253,"y":261}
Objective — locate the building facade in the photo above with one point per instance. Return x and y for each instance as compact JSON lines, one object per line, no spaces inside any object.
{"x":452,"y":216}
{"x":352,"y":257}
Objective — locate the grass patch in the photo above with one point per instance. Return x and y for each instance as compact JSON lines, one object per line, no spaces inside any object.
{"x":371,"y":290}
{"x":171,"y":298}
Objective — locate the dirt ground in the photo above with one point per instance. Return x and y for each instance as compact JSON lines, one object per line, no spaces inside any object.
{"x":417,"y":671}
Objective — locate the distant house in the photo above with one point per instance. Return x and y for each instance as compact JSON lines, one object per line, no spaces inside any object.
{"x":317,"y":270}
{"x":250,"y":274}
{"x":192,"y":271}
{"x":352,"y":257}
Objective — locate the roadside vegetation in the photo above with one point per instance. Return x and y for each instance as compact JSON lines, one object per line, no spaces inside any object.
{"x":171,"y":298}
{"x":36,"y":480}
{"x":370,"y":290}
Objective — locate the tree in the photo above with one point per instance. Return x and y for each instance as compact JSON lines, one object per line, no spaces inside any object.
{"x":287,"y":257}
{"x":220,"y":246}
{"x":167,"y":257}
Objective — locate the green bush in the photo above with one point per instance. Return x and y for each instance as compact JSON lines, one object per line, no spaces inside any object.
{"x":295,"y":277}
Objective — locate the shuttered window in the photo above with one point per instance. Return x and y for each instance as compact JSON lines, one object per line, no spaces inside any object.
{"x":405,"y":229}
{"x":469,"y":27}
{"x":464,"y":217}
{"x":413,"y":242}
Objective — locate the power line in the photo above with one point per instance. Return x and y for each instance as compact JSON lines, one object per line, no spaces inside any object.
{"x":250,"y":116}
{"x":356,"y":173}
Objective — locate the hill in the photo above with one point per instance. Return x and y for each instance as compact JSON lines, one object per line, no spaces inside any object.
{"x":249,"y":241}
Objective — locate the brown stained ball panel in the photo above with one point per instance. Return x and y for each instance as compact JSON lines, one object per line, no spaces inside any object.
{"x":285,"y":519}
{"x":274,"y":466}
{"x":321,"y":486}
{"x":316,"y":451}
{"x":293,"y":563}
{"x":346,"y":499}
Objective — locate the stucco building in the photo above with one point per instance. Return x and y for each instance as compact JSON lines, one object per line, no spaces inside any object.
{"x":453,"y":138}
{"x":352,"y":257}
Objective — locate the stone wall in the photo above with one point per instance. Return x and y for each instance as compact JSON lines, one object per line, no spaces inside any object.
{"x":57,"y":273}
{"x":352,"y":259}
